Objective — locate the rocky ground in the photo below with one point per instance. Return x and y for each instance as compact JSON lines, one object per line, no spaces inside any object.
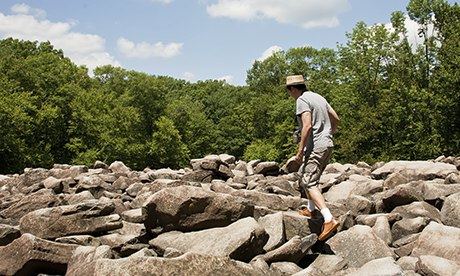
{"x":227,"y":217}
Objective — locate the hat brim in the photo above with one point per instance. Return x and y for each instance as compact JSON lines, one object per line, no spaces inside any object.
{"x":295,"y":83}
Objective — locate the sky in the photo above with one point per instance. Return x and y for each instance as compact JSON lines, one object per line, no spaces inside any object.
{"x":189,"y":39}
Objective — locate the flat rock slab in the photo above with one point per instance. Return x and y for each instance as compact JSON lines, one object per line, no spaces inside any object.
{"x":29,"y":255}
{"x":359,"y":245}
{"x":188,"y":208}
{"x":434,"y":265}
{"x":86,"y":218}
{"x":425,"y":169}
{"x":8,"y":234}
{"x":40,"y":199}
{"x":450,"y":212}
{"x":324,"y":265}
{"x":439,"y":240}
{"x":84,"y":259}
{"x":190,"y":264}
{"x":382,"y":266}
{"x":241,"y":240}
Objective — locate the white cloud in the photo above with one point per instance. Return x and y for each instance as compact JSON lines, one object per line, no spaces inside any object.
{"x":147,"y":50}
{"x":269,"y":52}
{"x":305,"y":13}
{"x":188,"y":76}
{"x":25,"y":9}
{"x":83,"y":49}
{"x":412,"y":28}
{"x":227,"y":78}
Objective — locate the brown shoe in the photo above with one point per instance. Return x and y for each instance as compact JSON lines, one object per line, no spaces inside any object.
{"x":305,"y":212}
{"x":328,"y":228}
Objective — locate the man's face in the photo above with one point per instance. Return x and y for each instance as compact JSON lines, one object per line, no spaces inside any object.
{"x":292,"y":91}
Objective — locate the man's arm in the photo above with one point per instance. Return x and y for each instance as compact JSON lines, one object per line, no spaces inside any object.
{"x":306,"y":131}
{"x":334,"y":119}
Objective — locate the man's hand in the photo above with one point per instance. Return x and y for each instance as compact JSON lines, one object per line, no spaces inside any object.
{"x":298,"y":157}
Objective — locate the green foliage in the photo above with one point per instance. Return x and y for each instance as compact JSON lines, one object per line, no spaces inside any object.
{"x":395,"y":101}
{"x":260,"y":149}
{"x":166,"y":148}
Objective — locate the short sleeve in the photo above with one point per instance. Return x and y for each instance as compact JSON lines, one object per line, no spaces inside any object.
{"x":302,"y":106}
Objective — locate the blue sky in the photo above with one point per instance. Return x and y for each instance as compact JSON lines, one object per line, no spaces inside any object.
{"x":188,"y":39}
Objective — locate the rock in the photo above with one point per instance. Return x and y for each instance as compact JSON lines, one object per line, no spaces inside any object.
{"x":418,"y":209}
{"x":130,"y":233}
{"x":450,"y":212}
{"x":359,"y":205}
{"x":29,"y":255}
{"x":434,"y":265}
{"x":425,"y":169}
{"x":381,"y":266}
{"x":85,"y":218}
{"x":226,"y":158}
{"x":164,"y":174}
{"x":452,"y":178}
{"x":40,"y":199}
{"x":119,"y":168}
{"x":370,"y":220}
{"x":324,"y":265}
{"x":276,"y":185}
{"x":350,"y":246}
{"x":292,"y":165}
{"x":292,"y":251}
{"x":400,"y":195}
{"x":382,"y":229}
{"x":439,"y":240}
{"x":188,"y":208}
{"x":274,"y":226}
{"x":241,"y":240}
{"x":407,"y":263}
{"x":79,"y":197}
{"x":394,"y":180}
{"x":100,"y":165}
{"x":94,"y":184}
{"x":201,"y":176}
{"x":144,"y":252}
{"x":122,"y":183}
{"x":53,"y":184}
{"x":134,"y":216}
{"x":405,"y":245}
{"x":84,"y":259}
{"x":267,"y":168}
{"x":406,"y":227}
{"x":355,"y":186}
{"x":434,"y":190}
{"x":8,"y":234}
{"x":85,"y":240}
{"x":271,"y":201}
{"x":134,"y":189}
{"x":285,"y":268}
{"x":190,"y":264}
{"x":67,"y":171}
{"x":299,"y":225}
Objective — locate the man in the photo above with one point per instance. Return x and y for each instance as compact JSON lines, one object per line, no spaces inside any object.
{"x":317,"y":121}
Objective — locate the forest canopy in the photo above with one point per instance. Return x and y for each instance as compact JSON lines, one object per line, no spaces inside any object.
{"x":395,"y":100}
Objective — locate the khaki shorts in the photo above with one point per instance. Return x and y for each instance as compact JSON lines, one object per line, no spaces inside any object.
{"x":312,"y":168}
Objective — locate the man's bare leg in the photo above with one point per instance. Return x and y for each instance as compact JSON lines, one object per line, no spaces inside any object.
{"x":330,"y":224}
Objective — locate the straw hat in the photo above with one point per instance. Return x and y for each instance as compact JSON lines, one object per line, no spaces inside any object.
{"x":294,"y":80}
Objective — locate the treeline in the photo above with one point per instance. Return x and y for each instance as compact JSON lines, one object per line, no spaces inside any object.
{"x":395,"y":102}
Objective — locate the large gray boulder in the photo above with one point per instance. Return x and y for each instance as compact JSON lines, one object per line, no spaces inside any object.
{"x":84,"y":259}
{"x":29,"y":255}
{"x":40,"y":199}
{"x":418,"y":209}
{"x":408,"y":226}
{"x":8,"y":234}
{"x":381,"y":266}
{"x":450,"y":212}
{"x":439,"y":240}
{"x":271,"y":201}
{"x":188,"y":208}
{"x":359,"y":245}
{"x":292,"y":251}
{"x":274,"y":226}
{"x":324,"y":265}
{"x":190,"y":264}
{"x":89,"y":217}
{"x":434,"y":265}
{"x":425,"y":169}
{"x":241,"y":240}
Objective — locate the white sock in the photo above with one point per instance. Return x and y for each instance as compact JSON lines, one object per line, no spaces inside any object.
{"x":311,"y":206}
{"x":326,"y":214}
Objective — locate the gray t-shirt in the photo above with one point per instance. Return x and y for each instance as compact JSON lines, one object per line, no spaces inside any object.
{"x":321,"y":124}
